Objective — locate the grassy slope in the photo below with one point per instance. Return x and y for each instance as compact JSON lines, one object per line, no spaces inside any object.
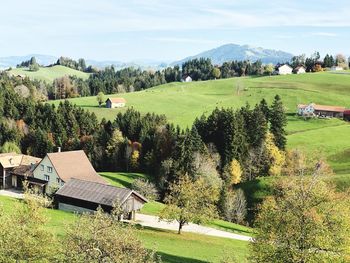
{"x":153,"y":208}
{"x":183,"y":102}
{"x":186,"y":248}
{"x":49,"y":73}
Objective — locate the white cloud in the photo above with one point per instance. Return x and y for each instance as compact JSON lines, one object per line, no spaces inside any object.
{"x":324,"y":34}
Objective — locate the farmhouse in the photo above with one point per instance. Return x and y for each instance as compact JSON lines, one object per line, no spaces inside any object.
{"x":284,"y":70}
{"x":186,"y":78}
{"x":313,"y":109}
{"x":299,"y":70}
{"x":58,"y":168}
{"x":12,"y":162}
{"x":85,"y":196}
{"x":115,"y":103}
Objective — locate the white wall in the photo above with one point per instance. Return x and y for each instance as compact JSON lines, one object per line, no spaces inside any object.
{"x":53,"y":176}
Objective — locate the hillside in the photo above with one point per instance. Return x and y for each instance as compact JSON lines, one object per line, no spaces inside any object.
{"x":183,"y":102}
{"x":12,"y":61}
{"x":49,"y":73}
{"x":231,"y":52}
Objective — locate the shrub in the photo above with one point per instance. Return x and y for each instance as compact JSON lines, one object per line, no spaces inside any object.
{"x":145,"y":188}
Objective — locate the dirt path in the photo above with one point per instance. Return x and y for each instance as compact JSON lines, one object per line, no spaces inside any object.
{"x":153,"y":221}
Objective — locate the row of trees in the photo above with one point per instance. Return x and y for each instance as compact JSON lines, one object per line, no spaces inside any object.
{"x":314,"y":63}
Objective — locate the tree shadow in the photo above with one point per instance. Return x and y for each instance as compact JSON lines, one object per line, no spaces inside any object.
{"x":178,"y":259}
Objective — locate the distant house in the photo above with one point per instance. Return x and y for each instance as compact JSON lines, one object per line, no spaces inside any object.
{"x":336,"y":68}
{"x":83,"y":196}
{"x":11,"y":162}
{"x":284,"y":70}
{"x":115,"y":103}
{"x":313,"y":109}
{"x":58,"y":168}
{"x":186,"y":78}
{"x":299,"y":70}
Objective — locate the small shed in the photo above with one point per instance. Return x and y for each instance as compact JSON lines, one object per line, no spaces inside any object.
{"x":84,"y":196}
{"x":115,"y":103}
{"x":347,"y":115}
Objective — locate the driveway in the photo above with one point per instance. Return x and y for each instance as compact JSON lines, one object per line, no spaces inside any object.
{"x":153,"y":221}
{"x":12,"y":193}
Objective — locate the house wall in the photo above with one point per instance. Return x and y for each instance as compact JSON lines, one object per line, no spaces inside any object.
{"x":301,"y":71}
{"x":118,"y":105}
{"x":284,"y":70}
{"x":41,"y":171}
{"x":73,"y":208}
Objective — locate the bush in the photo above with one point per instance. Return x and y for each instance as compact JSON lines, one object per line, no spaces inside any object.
{"x":145,"y":188}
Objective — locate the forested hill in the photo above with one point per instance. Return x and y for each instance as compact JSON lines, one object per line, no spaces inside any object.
{"x":230,"y":52}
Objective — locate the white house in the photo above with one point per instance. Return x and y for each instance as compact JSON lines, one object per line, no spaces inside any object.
{"x":299,"y":70}
{"x":115,"y":103}
{"x":284,"y":70}
{"x":186,"y":79}
{"x":58,"y":168}
{"x":336,"y":68}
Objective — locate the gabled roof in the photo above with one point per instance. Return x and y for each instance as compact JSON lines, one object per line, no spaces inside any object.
{"x":10,"y":160}
{"x":117,"y":100}
{"x":299,"y":67}
{"x":74,"y":164}
{"x":97,"y":193}
{"x":323,"y":107}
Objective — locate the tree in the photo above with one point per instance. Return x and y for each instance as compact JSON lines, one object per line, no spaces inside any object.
{"x":33,"y":67}
{"x":9,"y":147}
{"x":276,"y":156}
{"x":101,"y":238}
{"x":278,"y":121}
{"x":100,"y":98}
{"x":216,"y":73}
{"x":234,"y":171}
{"x":235,"y":206}
{"x":306,"y":220}
{"x":23,"y":236}
{"x":189,"y":201}
{"x":145,"y":188}
{"x":269,"y":69}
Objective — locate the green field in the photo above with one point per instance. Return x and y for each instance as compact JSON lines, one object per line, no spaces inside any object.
{"x":184,"y":248}
{"x":183,"y":102}
{"x":154,"y":207}
{"x":49,"y":74}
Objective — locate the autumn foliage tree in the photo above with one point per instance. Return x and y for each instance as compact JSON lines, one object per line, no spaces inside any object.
{"x":306,"y":220}
{"x":190,"y":201}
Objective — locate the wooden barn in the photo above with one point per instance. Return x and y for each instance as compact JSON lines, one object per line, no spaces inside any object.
{"x":115,"y":103}
{"x":85,"y":196}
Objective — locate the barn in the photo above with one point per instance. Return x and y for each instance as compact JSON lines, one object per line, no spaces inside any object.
{"x":85,"y":196}
{"x":115,"y":103}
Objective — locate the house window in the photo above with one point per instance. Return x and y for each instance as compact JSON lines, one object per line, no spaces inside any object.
{"x":49,"y":169}
{"x":42,"y":167}
{"x":46,"y":177}
{"x":58,"y":180}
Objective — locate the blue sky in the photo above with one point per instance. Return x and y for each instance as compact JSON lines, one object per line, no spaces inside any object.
{"x":170,"y":30}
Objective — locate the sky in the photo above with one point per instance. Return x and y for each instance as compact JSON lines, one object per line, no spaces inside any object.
{"x":164,"y":30}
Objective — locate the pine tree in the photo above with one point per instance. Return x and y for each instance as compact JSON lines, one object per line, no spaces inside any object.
{"x":278,"y":121}
{"x":264,"y":107}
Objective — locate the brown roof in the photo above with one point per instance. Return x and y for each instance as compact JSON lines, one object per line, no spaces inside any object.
{"x":10,"y":160}
{"x":117,"y":100}
{"x":325,"y":107}
{"x":96,"y":192}
{"x":24,"y":170}
{"x":74,"y":164}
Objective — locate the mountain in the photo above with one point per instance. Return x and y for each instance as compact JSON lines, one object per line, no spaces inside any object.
{"x":12,"y":61}
{"x":231,"y":52}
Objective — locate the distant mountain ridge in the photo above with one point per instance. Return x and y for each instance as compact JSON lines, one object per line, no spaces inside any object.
{"x":12,"y":61}
{"x":231,"y":52}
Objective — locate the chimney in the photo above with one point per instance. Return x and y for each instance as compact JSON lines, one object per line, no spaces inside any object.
{"x":59,"y":149}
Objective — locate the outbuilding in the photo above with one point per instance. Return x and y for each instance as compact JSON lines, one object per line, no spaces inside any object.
{"x":284,"y":70}
{"x":85,"y":196}
{"x":115,"y":103}
{"x":299,"y":70}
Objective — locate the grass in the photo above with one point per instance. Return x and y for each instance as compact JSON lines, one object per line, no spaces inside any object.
{"x":49,"y":74}
{"x":183,"y":102}
{"x":186,"y":248}
{"x":122,"y":179}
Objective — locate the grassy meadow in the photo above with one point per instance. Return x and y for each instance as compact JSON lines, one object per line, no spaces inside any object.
{"x":183,"y":102}
{"x":49,"y":74}
{"x":173,"y":248}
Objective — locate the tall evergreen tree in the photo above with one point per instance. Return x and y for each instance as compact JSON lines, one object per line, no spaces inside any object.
{"x":278,"y":121}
